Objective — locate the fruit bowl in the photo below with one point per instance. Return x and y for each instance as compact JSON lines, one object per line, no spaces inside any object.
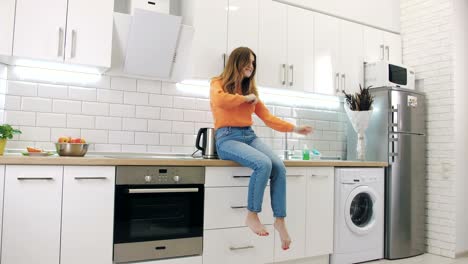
{"x":71,"y":149}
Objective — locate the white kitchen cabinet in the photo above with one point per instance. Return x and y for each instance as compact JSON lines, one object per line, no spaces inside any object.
{"x":44,"y":31}
{"x":40,"y":29}
{"x":7,"y":21}
{"x":209,"y":18}
{"x":242,"y":25}
{"x":2,"y":184}
{"x":381,"y":45}
{"x":286,"y":36}
{"x":272,"y":60}
{"x":351,"y":57}
{"x":237,"y":245}
{"x":32,"y":215}
{"x":87,"y":217}
{"x":319,"y":210}
{"x":187,"y":260}
{"x":296,"y":216}
{"x":326,"y":54}
{"x":89,"y":32}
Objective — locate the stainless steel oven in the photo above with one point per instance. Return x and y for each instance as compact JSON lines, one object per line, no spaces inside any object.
{"x":158,"y":212}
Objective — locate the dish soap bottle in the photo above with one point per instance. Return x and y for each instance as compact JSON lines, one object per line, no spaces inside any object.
{"x":305,"y":153}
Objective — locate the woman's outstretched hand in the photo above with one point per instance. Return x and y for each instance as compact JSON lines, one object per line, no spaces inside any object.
{"x":251,"y":99}
{"x":303,"y":130}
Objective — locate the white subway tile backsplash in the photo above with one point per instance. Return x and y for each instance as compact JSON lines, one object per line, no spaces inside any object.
{"x":35,"y":133}
{"x":66,"y":106}
{"x":135,"y":98}
{"x":172,"y":114}
{"x":185,"y":103}
{"x":121,"y":137}
{"x":123,"y":84}
{"x":52,"y":91}
{"x":189,"y":140}
{"x":195,"y":115}
{"x":107,"y":148}
{"x":122,"y":110}
{"x":182,"y":150}
{"x":183,"y":127}
{"x":146,"y":86}
{"x":148,"y":112}
{"x":110,"y":123}
{"x":82,"y":93}
{"x":146,"y":138}
{"x":51,"y":120}
{"x":12,"y":102}
{"x":22,"y":145}
{"x":159,"y":126}
{"x":134,"y":148}
{"x":161,"y":100}
{"x":109,"y":96}
{"x":159,"y":149}
{"x":171,"y":139}
{"x":36,"y":104}
{"x":95,"y":136}
{"x":97,"y":109}
{"x":21,"y":88}
{"x":134,"y":124}
{"x":80,"y":121}
{"x":20,"y":118}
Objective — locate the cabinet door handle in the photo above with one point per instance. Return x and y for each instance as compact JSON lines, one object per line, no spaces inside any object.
{"x":35,"y":178}
{"x":383,"y":52}
{"x":291,"y":68}
{"x":294,"y":175}
{"x":60,"y":41}
{"x":317,"y":176}
{"x":241,"y":176}
{"x":90,"y":178}
{"x":73,"y":47}
{"x":388,"y":52}
{"x":343,"y":78}
{"x":239,"y":248}
{"x":283,"y":80}
{"x":337,"y":82}
{"x":224,"y":60}
{"x":238,"y":206}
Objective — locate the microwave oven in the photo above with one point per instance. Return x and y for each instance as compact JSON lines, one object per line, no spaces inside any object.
{"x":386,"y":74}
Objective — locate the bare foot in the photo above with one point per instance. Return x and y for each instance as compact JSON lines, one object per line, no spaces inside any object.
{"x":280,"y":226}
{"x":254,"y":223}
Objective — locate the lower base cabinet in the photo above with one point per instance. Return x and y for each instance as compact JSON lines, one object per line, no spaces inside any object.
{"x":187,"y":260}
{"x":237,"y":246}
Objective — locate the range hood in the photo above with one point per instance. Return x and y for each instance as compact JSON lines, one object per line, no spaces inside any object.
{"x":150,"y":45}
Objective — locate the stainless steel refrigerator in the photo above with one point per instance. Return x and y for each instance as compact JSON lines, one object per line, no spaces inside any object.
{"x":396,"y":134}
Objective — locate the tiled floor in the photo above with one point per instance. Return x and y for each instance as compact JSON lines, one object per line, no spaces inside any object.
{"x":423,"y":259}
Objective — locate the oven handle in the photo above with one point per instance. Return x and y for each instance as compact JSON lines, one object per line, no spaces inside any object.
{"x":164,"y":190}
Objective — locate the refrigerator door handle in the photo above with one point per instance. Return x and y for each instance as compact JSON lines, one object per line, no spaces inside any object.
{"x":395,"y":118}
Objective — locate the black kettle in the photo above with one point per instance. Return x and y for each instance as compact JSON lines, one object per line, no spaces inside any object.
{"x":208,"y":146}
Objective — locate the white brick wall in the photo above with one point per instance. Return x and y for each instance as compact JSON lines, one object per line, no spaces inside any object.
{"x":426,"y":27}
{"x":129,"y":115}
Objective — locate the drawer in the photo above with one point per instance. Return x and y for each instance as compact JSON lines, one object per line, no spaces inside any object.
{"x":237,"y":245}
{"x":227,"y":207}
{"x":183,"y":260}
{"x":227,"y":176}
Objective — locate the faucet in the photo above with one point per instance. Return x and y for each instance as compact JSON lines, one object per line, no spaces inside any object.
{"x":286,"y":150}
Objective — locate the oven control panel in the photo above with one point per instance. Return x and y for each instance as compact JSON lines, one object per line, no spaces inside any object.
{"x":126,"y":175}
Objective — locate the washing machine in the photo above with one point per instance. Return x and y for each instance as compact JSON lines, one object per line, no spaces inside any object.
{"x":359,"y":215}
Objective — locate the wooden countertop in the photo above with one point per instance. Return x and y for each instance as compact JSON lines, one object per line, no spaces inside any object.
{"x":105,"y":161}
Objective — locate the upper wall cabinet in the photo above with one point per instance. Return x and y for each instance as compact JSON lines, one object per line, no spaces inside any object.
{"x":7,"y":20}
{"x":286,"y":46}
{"x":380,"y":45}
{"x":383,"y":14}
{"x":214,"y":37}
{"x":73,"y":31}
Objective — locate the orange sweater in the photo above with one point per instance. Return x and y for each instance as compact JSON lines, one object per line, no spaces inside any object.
{"x":232,"y":110}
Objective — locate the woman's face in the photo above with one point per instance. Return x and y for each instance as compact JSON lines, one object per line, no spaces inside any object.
{"x":248,"y":69}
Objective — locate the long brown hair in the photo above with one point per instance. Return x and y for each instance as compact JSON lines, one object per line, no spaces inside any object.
{"x":233,"y":75}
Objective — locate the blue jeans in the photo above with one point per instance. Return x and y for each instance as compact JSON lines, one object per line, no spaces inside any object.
{"x":240,"y":144}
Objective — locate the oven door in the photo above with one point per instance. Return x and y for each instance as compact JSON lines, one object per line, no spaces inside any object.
{"x":157,"y":221}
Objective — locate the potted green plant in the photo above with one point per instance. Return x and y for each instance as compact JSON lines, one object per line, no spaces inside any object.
{"x":359,"y":111}
{"x":6,"y":132}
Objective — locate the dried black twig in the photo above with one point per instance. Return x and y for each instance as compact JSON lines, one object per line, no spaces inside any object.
{"x":361,"y":101}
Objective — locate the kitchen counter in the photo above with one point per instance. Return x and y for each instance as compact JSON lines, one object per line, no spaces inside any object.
{"x":114,"y":161}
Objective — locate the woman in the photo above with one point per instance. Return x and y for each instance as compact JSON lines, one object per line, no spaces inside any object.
{"x":234,"y":98}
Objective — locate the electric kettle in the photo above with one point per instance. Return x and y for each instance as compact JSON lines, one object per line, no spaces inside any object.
{"x":208,"y":146}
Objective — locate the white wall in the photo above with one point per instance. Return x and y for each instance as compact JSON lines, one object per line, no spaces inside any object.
{"x":129,"y":115}
{"x":461,"y":124}
{"x":427,"y":30}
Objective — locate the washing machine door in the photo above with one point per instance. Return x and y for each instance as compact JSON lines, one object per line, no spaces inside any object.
{"x":360,"y":210}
